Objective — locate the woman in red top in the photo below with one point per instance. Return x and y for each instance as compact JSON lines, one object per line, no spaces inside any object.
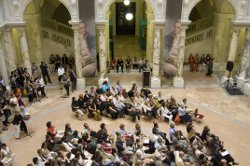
{"x":191,"y":62}
{"x":51,"y":129}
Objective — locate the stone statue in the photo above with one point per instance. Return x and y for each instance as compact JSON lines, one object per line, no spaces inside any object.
{"x":87,"y":60}
{"x":172,"y":62}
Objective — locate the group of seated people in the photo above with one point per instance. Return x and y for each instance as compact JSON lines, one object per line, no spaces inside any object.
{"x":135,"y":64}
{"x":122,"y":148}
{"x":114,"y":102}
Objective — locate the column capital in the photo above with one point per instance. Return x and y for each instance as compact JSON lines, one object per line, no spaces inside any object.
{"x":241,"y":24}
{"x":101,"y":25}
{"x":159,"y":25}
{"x":75,"y":24}
{"x":184,"y":24}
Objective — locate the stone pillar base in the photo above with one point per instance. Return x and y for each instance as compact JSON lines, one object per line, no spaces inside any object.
{"x":101,"y":80}
{"x":246,"y":89}
{"x":80,"y":84}
{"x":155,"y":82}
{"x":178,"y":82}
{"x":241,"y":82}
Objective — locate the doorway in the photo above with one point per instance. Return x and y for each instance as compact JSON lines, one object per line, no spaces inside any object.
{"x":124,"y":26}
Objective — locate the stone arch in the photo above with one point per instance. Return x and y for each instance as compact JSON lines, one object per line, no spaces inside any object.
{"x":109,"y":2}
{"x":195,"y":2}
{"x":64,"y":2}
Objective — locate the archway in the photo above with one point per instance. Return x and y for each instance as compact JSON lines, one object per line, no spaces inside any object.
{"x":145,"y":32}
{"x":209,"y":33}
{"x":47,"y":30}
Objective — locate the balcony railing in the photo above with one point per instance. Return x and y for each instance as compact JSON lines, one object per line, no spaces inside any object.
{"x":201,"y":24}
{"x":57,"y":26}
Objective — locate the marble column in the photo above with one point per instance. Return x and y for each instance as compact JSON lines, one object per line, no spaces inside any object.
{"x":155,"y":79}
{"x":102,"y":54}
{"x":3,"y":66}
{"x":244,"y":69}
{"x":80,"y":79}
{"x":24,"y":49}
{"x":10,"y":50}
{"x":232,"y":53}
{"x":178,"y":81}
{"x":245,"y":60}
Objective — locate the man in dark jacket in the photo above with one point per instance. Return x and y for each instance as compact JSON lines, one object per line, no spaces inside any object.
{"x":45,"y":72}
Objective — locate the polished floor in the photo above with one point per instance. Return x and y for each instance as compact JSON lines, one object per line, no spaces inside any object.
{"x":227,"y":116}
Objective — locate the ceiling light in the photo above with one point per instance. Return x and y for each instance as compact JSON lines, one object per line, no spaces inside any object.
{"x":126,"y":2}
{"x":129,"y":16}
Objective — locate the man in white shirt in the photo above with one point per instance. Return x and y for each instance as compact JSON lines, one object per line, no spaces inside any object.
{"x":60,"y":73}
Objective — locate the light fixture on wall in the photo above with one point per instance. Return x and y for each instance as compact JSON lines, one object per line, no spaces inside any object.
{"x":129,"y":16}
{"x":126,"y":2}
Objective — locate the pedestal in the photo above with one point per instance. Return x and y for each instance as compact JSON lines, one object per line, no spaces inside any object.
{"x":80,"y":85}
{"x":101,"y":80}
{"x":246,"y":89}
{"x":241,"y":82}
{"x":178,"y":82}
{"x":155,"y":83}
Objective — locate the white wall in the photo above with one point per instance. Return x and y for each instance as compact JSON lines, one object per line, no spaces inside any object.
{"x":203,"y":45}
{"x":52,"y":47}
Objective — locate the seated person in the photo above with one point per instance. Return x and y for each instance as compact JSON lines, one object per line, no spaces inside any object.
{"x":75,"y":108}
{"x":165,"y":113}
{"x":185,"y":117}
{"x":102,"y":134}
{"x":133,"y":109}
{"x":196,"y":116}
{"x":51,"y":129}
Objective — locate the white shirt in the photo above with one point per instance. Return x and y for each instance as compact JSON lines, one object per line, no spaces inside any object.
{"x":60,"y":71}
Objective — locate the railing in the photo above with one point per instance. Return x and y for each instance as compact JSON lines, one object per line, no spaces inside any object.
{"x":57,"y":26}
{"x":201,"y":24}
{"x":200,"y":36}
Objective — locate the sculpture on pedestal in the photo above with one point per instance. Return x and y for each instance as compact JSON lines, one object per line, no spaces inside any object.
{"x":172,"y":61}
{"x":87,"y":60}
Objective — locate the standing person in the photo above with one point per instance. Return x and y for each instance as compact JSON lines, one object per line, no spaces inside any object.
{"x":34,"y":70}
{"x":17,"y":124}
{"x":29,"y":90}
{"x":60,"y":73}
{"x":66,"y":83}
{"x":203,"y":63}
{"x":57,"y":62}
{"x":119,"y":64}
{"x":52,"y":61}
{"x":45,"y":72}
{"x":65,"y":62}
{"x":42,"y":86}
{"x":73,"y":79}
{"x":209,"y":68}
{"x":140,"y":65}
{"x":71,"y":62}
{"x":191,"y":62}
{"x":197,"y":62}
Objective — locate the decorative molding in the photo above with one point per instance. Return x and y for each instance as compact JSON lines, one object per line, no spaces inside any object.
{"x":102,"y":7}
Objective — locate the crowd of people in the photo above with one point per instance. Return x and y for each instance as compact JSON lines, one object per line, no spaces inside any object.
{"x":203,"y":63}
{"x":114,"y":101}
{"x":89,"y":147}
{"x":135,"y":64}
